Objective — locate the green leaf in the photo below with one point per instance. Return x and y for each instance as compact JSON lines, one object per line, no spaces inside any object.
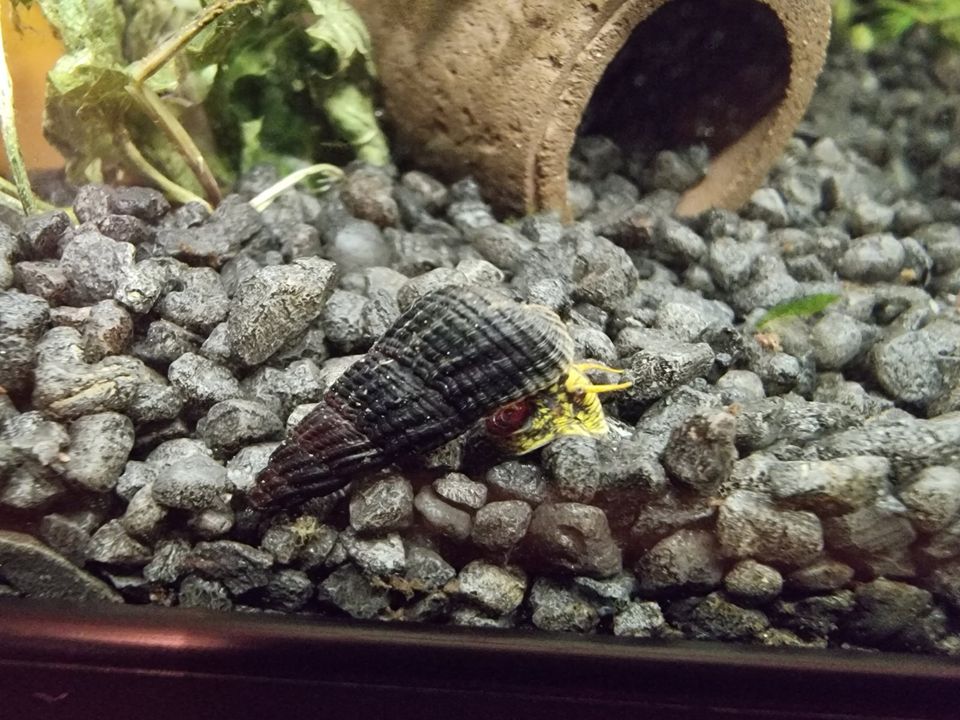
{"x":91,"y":27}
{"x":800,"y":307}
{"x":339,"y":37}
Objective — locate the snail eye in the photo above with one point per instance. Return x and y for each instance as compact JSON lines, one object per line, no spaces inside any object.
{"x":509,"y":418}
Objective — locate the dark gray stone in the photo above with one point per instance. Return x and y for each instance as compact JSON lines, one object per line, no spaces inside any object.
{"x":144,"y":516}
{"x":442,"y":517}
{"x":382,"y":506}
{"x":199,"y":303}
{"x":500,"y":526}
{"x":660,"y":367}
{"x":556,"y":608}
{"x":494,"y":589}
{"x":196,"y":592}
{"x":288,"y":591}
{"x":276,"y":304}
{"x":202,"y":382}
{"x":639,"y":619}
{"x":872,"y":258}
{"x":377,"y":555}
{"x":701,"y":451}
{"x":43,"y":278}
{"x":23,"y":320}
{"x":95,"y":265}
{"x":687,"y":561}
{"x":872,"y":531}
{"x":714,"y":618}
{"x":752,"y":583}
{"x":99,"y":447}
{"x":66,"y":534}
{"x":574,"y":538}
{"x":36,"y":571}
{"x":426,"y":570}
{"x":164,"y":342}
{"x":112,"y":545}
{"x":458,"y":489}
{"x":191,"y":483}
{"x":829,"y":487}
{"x":748,"y":525}
{"x":521,"y":481}
{"x":825,"y":575}
{"x":358,"y":245}
{"x":239,"y":567}
{"x":933,"y":500}
{"x":231,"y":424}
{"x":347,"y":589}
{"x":343,"y":322}
{"x":573,"y":464}
{"x":42,"y":234}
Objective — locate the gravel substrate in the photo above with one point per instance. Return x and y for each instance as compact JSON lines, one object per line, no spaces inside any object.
{"x":796,"y":486}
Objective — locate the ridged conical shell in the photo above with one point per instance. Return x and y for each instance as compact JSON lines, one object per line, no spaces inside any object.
{"x":453,"y":357}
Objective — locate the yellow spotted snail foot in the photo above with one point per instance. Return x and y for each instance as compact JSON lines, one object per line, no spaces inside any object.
{"x":455,"y":357}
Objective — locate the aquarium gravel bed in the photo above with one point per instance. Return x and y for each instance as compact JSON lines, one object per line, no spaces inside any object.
{"x":787,"y":481}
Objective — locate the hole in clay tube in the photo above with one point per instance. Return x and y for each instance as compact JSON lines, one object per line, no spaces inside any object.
{"x":693,"y":72}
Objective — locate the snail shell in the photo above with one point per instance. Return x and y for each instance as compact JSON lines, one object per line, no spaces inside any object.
{"x":453,"y":357}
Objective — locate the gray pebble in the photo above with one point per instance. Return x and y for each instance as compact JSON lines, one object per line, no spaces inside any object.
{"x":494,"y":589}
{"x":99,"y":447}
{"x":375,"y":556}
{"x":667,"y":514}
{"x":199,"y":304}
{"x":499,"y":526}
{"x":885,"y":609}
{"x":172,"y":451}
{"x":196,"y":592}
{"x":288,"y":591}
{"x":212,"y":523}
{"x":752,"y":583}
{"x":231,"y":424}
{"x":382,"y":506}
{"x":521,"y":481}
{"x":660,"y":367}
{"x":814,"y":617}
{"x":458,"y":489}
{"x":574,"y":538}
{"x":686,"y":561}
{"x":442,"y":517}
{"x":36,"y":571}
{"x":107,"y":331}
{"x":907,"y":367}
{"x":95,"y":265}
{"x":417,"y":253}
{"x":136,"y":475}
{"x":555,"y":608}
{"x":829,"y":487}
{"x":144,"y":516}
{"x":933,"y":500}
{"x":573,"y":464}
{"x":872,"y":258}
{"x":66,"y":534}
{"x":358,"y":245}
{"x":191,"y":483}
{"x":715,"y":618}
{"x":740,"y":386}
{"x":748,"y":525}
{"x":501,"y":245}
{"x":239,"y":567}
{"x":112,"y":545}
{"x":42,"y":234}
{"x":23,"y":320}
{"x":202,"y":382}
{"x":432,"y":192}
{"x":349,"y":590}
{"x":417,"y":287}
{"x":639,"y":619}
{"x":701,"y":451}
{"x":770,"y":284}
{"x":169,"y":562}
{"x":42,"y":278}
{"x":426,"y":570}
{"x":164,"y":342}
{"x":674,"y":242}
{"x":243,"y":468}
{"x":872,"y":531}
{"x":276,"y":304}
{"x":143,"y":285}
{"x":766,"y":204}
{"x":367,"y":194}
{"x":343,"y":322}
{"x":837,"y":340}
{"x":825,"y":575}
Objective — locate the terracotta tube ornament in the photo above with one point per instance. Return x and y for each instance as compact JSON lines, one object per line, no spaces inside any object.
{"x":499,"y":88}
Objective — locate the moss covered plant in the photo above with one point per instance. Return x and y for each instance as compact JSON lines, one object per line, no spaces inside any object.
{"x":188,"y":94}
{"x":869,"y":23}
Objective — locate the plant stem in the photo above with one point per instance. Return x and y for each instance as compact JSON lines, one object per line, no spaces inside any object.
{"x":8,"y":127}
{"x":263,"y":199}
{"x":10,"y":189}
{"x":172,"y":128}
{"x":174,"y":191}
{"x":147,"y":66}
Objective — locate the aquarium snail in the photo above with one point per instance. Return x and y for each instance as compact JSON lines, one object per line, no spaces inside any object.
{"x":456,"y":356}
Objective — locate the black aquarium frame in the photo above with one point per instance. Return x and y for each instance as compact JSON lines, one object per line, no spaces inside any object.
{"x":101,"y":662}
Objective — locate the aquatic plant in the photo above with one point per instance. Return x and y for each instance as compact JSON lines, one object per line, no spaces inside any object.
{"x":868,"y":23}
{"x":189,"y":93}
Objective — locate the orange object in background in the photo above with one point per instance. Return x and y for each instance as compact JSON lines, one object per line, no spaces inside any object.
{"x":32,"y":48}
